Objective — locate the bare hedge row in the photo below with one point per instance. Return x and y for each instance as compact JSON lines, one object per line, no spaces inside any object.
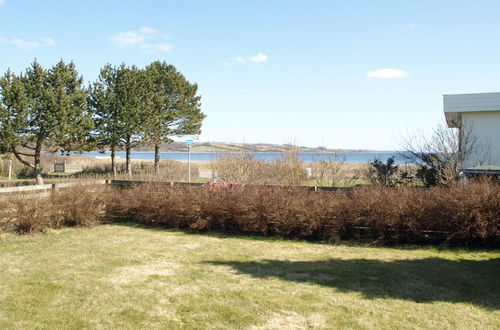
{"x":456,"y":215}
{"x":82,"y":206}
{"x":462,"y":216}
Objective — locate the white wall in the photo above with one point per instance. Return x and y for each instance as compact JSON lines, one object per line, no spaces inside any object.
{"x":485,"y":127}
{"x":456,"y":104}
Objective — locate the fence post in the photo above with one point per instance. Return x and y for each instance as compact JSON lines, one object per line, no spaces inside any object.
{"x":55,"y":188}
{"x":10,"y":168}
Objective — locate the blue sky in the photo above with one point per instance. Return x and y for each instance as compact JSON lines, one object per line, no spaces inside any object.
{"x":342,"y":74}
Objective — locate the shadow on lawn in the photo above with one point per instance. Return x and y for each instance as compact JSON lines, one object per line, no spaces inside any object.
{"x":419,"y":280}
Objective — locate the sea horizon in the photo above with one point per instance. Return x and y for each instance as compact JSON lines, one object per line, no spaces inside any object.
{"x":308,"y":157}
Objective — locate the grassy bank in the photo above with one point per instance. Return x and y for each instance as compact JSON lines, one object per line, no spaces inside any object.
{"x":128,"y":277}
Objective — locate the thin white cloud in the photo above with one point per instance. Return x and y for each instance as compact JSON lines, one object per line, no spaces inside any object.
{"x":407,"y":26}
{"x":29,"y":44}
{"x":162,"y":47}
{"x":387,"y":73}
{"x":148,"y":30}
{"x":259,"y":58}
{"x":2,"y":2}
{"x":127,"y":38}
{"x":240,"y":59}
{"x":131,"y":38}
{"x":146,"y":38}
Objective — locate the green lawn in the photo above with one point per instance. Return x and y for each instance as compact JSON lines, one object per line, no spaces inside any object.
{"x":6,"y":178}
{"x":127,"y":277}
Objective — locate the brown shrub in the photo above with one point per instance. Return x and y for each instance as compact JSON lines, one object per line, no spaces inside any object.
{"x":80,"y":205}
{"x":22,"y":217}
{"x":456,"y":215}
{"x":75,"y":206}
{"x":245,"y":168}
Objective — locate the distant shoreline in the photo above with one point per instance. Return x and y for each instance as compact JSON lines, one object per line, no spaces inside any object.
{"x":223,"y":147}
{"x":267,"y":156}
{"x":254,"y":152}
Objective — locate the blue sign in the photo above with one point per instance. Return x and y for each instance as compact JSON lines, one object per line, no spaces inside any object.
{"x":189,"y":141}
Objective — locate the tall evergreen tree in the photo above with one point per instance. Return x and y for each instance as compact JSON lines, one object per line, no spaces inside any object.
{"x":43,"y":109}
{"x":133,"y":92}
{"x":118,"y":100}
{"x":105,"y":105}
{"x":173,"y":106}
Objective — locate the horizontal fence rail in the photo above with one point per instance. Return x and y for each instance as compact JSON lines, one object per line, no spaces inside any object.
{"x":46,"y":188}
{"x":131,"y":183}
{"x":54,"y":187}
{"x":35,"y":191}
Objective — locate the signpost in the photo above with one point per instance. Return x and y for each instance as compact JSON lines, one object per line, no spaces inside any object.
{"x":189,"y":143}
{"x":10,"y":167}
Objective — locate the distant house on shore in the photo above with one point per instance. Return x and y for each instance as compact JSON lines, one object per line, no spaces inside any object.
{"x":477,"y":116}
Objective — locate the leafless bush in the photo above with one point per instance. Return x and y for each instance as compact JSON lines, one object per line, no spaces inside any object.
{"x":75,"y":206}
{"x":289,"y":168}
{"x":245,"y":168}
{"x":332,"y":170}
{"x":456,"y":215}
{"x":81,"y":205}
{"x":241,"y":167}
{"x":465,"y":216}
{"x":441,"y":155}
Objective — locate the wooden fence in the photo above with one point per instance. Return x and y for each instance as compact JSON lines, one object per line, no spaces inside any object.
{"x":45,"y":189}
{"x":54,"y":187}
{"x":130,"y":183}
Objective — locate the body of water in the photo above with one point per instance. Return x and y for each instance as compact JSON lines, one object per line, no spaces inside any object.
{"x":349,"y":157}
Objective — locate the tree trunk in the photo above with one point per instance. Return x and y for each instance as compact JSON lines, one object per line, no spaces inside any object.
{"x":128,"y":165}
{"x":113,"y":161}
{"x":157,"y":158}
{"x":38,"y":167}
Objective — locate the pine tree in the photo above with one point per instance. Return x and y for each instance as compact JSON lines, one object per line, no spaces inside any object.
{"x":118,"y":101}
{"x":174,"y":107}
{"x":105,"y":105}
{"x":43,"y":109}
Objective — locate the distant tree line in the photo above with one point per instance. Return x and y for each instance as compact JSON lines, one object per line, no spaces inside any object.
{"x":52,"y":110}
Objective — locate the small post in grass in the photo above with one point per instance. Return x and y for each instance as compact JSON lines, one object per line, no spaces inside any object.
{"x":55,"y":188}
{"x":10,"y":167}
{"x":189,"y":143}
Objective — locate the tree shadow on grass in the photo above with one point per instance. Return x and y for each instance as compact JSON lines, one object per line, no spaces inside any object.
{"x":418,"y":280}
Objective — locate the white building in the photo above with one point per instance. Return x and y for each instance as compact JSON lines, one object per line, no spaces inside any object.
{"x":477,"y":116}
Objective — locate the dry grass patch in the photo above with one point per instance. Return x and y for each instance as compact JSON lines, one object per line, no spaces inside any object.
{"x":128,"y":277}
{"x":130,"y":274}
{"x":287,"y":320}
